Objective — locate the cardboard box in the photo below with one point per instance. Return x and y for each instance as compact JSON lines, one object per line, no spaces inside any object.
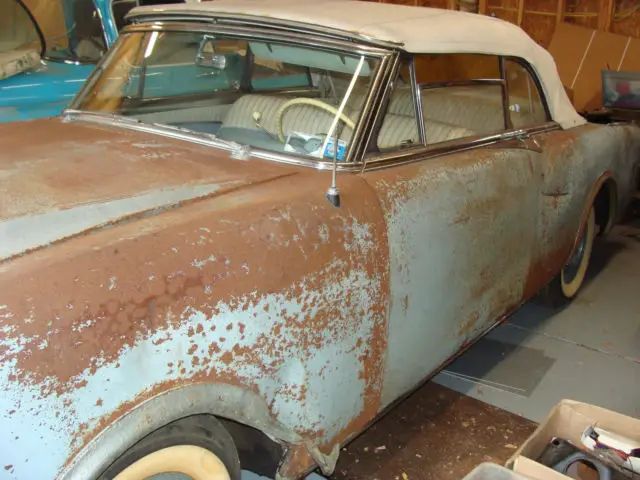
{"x":526,"y":470}
{"x":493,"y":471}
{"x":581,"y":54}
{"x":568,"y":420}
{"x":533,"y":470}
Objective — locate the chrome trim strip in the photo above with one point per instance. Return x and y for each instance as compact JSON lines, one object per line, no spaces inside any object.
{"x":65,"y":61}
{"x":70,"y":115}
{"x":463,"y":83}
{"x":104,"y":33}
{"x":284,"y":25}
{"x":505,"y":96}
{"x":249,"y":32}
{"x":370,"y":109}
{"x":379,"y":99}
{"x":404,"y":157}
{"x":417,"y":103}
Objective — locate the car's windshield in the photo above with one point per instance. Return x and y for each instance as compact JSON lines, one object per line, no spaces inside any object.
{"x":17,"y":30}
{"x":270,"y":95}
{"x":72,"y":29}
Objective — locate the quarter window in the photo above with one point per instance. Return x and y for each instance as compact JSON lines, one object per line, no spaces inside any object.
{"x":525,"y":104}
{"x":461,"y":95}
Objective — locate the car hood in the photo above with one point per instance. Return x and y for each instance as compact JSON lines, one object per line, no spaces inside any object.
{"x":60,"y":179}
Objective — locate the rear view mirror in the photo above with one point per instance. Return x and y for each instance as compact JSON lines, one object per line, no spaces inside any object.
{"x":207,"y":56}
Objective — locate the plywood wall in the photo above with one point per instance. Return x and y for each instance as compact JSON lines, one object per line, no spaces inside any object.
{"x":540,"y":17}
{"x":50,"y":18}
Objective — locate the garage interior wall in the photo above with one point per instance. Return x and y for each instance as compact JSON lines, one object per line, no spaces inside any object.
{"x":50,"y":17}
{"x":540,"y":17}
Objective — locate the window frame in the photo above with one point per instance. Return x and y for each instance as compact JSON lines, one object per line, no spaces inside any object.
{"x":374,"y":159}
{"x":394,"y":75}
{"x":536,"y":82}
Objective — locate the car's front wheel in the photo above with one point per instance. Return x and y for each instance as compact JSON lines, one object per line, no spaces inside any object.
{"x":196,"y":447}
{"x":567,"y":283}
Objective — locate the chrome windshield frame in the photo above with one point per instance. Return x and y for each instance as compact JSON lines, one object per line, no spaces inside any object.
{"x":355,"y":154}
{"x":278,"y":25}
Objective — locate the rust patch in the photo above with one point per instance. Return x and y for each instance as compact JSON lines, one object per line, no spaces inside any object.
{"x":101,"y":294}
{"x":297,"y":461}
{"x":469,"y":326}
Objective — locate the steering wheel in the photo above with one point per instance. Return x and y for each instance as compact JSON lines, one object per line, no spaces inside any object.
{"x":314,"y":103}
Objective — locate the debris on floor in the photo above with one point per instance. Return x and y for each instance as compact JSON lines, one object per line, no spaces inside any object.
{"x":438,"y":427}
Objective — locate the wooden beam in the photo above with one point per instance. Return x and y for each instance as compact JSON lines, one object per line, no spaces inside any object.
{"x":562,"y":7}
{"x":451,"y":4}
{"x":520,"y":12}
{"x":482,"y":7}
{"x":606,"y":15}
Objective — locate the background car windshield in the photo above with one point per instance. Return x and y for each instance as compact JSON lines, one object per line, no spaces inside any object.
{"x":17,"y":30}
{"x":72,"y":29}
{"x":274,"y":96}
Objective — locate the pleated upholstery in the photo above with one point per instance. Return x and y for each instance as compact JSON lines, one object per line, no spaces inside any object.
{"x":396,"y":128}
{"x":478,"y":109}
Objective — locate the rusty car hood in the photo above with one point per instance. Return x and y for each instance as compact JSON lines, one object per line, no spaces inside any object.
{"x":61,"y":179}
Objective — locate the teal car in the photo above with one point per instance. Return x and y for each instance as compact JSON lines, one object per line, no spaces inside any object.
{"x":49,"y":48}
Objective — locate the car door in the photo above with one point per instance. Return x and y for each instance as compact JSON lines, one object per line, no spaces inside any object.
{"x":460,"y":224}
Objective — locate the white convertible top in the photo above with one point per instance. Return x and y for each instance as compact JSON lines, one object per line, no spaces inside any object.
{"x":417,"y":29}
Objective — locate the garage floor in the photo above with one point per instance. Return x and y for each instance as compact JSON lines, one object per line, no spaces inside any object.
{"x":486,"y":402}
{"x":590,"y":351}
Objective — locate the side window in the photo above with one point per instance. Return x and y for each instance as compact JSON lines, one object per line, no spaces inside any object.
{"x":461,"y":95}
{"x":525,"y":104}
{"x":399,"y":128}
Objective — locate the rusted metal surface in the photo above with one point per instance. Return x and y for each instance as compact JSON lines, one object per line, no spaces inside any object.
{"x":267,"y":288}
{"x":574,"y":166}
{"x":460,"y":232}
{"x":136,"y":268}
{"x":473,"y":235}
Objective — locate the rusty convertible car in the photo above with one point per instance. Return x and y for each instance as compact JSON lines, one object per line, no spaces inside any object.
{"x":259,"y":224}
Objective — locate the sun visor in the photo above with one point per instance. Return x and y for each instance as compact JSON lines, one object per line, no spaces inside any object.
{"x":309,"y":58}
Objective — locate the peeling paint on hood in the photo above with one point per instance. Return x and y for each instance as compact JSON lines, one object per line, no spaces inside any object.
{"x":80,"y":177}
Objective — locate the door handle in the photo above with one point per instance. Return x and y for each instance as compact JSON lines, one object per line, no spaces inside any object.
{"x":522,"y":139}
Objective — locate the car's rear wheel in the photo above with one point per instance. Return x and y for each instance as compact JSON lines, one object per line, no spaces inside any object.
{"x":196,"y":448}
{"x":567,"y":283}
{"x":573,"y":274}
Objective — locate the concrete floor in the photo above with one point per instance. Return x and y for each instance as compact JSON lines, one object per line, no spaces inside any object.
{"x":487,"y":402}
{"x":589,"y":351}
